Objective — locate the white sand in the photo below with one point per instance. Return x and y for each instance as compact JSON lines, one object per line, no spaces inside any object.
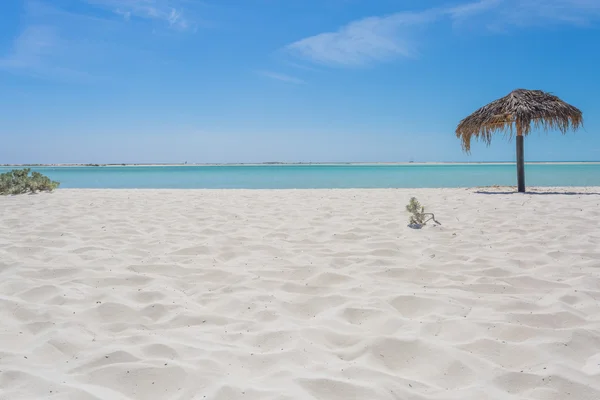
{"x":307,"y":294}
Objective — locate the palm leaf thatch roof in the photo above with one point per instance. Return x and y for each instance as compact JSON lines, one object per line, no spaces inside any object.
{"x":520,"y":107}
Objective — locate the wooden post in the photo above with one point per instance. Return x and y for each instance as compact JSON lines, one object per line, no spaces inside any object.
{"x":520,"y":160}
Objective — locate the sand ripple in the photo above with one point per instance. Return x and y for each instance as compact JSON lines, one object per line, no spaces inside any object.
{"x":307,"y":294}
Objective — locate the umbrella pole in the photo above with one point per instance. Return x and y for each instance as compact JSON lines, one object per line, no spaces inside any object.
{"x":520,"y":160}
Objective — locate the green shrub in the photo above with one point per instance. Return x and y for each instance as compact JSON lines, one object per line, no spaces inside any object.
{"x":18,"y":181}
{"x":418,"y":214}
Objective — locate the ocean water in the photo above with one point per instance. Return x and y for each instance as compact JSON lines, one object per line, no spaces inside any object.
{"x":320,"y":176}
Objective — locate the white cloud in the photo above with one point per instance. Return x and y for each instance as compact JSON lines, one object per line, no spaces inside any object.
{"x":125,"y":14}
{"x":495,"y":14}
{"x":62,"y":44}
{"x":281,"y":77}
{"x":468,"y":10}
{"x":37,"y":51}
{"x":31,"y":47}
{"x":169,"y":11}
{"x":175,"y":17}
{"x":379,"y":39}
{"x":364,"y":41}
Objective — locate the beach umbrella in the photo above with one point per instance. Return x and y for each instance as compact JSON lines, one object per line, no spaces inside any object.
{"x":515,"y":115}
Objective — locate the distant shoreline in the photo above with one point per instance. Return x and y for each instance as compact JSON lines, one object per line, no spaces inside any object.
{"x":294,"y":164}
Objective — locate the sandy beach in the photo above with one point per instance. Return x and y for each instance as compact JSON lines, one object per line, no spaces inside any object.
{"x":300,"y":294}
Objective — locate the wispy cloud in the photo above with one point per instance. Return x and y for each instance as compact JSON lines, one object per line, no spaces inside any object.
{"x":39,"y":51}
{"x":503,"y":14}
{"x":125,"y":14}
{"x":169,"y":11}
{"x":80,"y":44}
{"x":281,"y":77}
{"x":364,"y":41}
{"x":55,"y":43}
{"x":379,"y":39}
{"x":465,"y":11}
{"x":31,"y":47}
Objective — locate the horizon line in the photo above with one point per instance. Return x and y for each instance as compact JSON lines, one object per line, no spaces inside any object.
{"x":274,"y":163}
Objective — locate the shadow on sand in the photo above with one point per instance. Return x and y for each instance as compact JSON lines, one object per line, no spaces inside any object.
{"x":540,"y":193}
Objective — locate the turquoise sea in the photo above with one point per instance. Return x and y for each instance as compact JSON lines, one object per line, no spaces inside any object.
{"x":320,"y":176}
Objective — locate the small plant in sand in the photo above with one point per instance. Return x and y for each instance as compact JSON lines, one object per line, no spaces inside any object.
{"x":418,"y":217}
{"x":18,"y":181}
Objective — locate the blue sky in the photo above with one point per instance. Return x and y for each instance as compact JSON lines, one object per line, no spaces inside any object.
{"x":286,"y":80}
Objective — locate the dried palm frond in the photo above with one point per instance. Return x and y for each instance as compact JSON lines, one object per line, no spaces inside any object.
{"x":523,"y":108}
